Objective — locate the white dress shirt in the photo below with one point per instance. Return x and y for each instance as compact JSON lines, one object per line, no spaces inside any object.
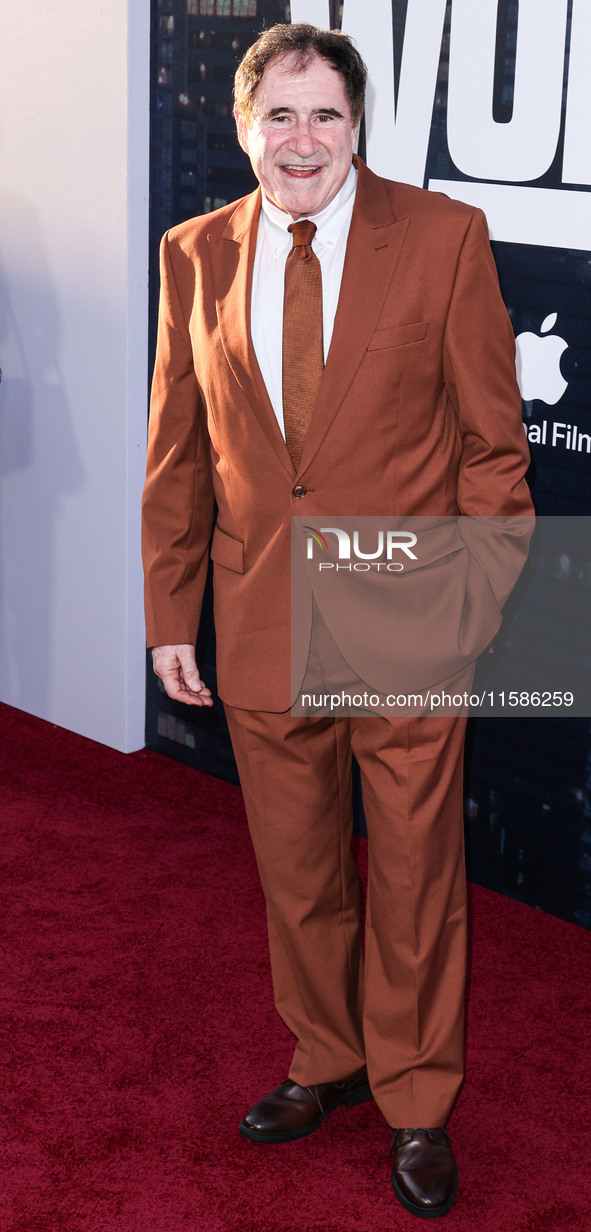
{"x":274,"y":242}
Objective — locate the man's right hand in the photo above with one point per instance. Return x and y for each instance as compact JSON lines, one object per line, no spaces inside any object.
{"x":177,"y":669}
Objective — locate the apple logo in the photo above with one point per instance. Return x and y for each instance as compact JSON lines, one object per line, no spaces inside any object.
{"x":538,"y":364}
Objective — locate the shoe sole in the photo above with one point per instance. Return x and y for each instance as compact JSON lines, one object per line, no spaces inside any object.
{"x":424,"y":1212}
{"x":350,"y":1100}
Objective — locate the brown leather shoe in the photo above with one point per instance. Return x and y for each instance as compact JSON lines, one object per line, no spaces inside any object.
{"x":424,"y":1172}
{"x":291,"y":1111}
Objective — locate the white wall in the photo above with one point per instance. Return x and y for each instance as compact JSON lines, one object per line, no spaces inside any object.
{"x":74,"y":114}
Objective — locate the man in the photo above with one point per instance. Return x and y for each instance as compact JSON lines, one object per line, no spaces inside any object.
{"x":400,"y":399}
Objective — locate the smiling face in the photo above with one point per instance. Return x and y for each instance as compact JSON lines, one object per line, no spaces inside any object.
{"x":300,"y":136}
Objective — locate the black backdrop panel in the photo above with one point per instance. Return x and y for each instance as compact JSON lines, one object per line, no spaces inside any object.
{"x":528,"y":781}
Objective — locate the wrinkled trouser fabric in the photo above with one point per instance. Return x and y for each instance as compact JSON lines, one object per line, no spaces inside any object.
{"x":400,"y":1009}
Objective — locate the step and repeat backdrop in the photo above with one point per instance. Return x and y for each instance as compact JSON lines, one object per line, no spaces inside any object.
{"x":489,"y":103}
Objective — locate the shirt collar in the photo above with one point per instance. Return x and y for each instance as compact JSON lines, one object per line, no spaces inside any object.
{"x":329,"y":221}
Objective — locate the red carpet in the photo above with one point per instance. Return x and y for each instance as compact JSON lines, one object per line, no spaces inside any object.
{"x":137,"y":1026}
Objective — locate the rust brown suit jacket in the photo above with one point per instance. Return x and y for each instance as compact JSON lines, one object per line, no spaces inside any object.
{"x":418,"y":413}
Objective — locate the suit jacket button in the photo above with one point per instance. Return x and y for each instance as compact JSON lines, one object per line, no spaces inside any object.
{"x":299,"y":490}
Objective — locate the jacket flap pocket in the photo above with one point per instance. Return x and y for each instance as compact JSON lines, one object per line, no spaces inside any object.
{"x":398,"y":335}
{"x":227,"y":551}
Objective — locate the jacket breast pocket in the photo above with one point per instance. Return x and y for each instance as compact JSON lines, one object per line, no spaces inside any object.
{"x":398,"y":335}
{"x":227,"y":551}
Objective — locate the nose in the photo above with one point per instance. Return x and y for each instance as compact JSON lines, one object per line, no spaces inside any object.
{"x":302,"y":139}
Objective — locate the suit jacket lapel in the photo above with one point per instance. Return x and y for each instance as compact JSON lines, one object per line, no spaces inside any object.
{"x":232,"y":258}
{"x":373,"y":248}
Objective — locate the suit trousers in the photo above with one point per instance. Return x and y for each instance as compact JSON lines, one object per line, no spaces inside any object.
{"x":398,"y":1007}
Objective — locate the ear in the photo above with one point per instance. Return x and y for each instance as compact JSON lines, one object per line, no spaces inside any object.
{"x":241,"y":130}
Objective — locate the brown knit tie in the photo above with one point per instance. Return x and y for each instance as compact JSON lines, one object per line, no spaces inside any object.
{"x":303,"y":356}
